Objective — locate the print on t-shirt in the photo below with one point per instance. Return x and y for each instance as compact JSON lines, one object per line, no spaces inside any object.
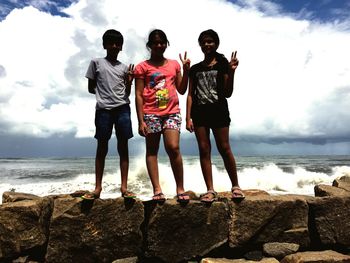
{"x":157,"y":82}
{"x":205,"y":93}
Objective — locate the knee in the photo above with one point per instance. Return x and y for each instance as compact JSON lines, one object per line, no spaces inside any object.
{"x":225,"y":150}
{"x":204,"y":149}
{"x":172,"y":150}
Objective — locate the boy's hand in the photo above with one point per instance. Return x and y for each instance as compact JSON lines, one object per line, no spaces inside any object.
{"x":189,"y":125}
{"x":234,"y":61}
{"x":186,"y":63}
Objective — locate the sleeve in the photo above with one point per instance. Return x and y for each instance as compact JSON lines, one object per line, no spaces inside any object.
{"x":177,"y":67}
{"x":90,"y":73}
{"x":139,"y":71}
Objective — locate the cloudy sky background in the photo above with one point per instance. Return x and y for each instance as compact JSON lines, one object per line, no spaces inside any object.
{"x":292,"y":87}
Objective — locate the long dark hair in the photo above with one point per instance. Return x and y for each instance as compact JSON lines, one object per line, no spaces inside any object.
{"x":212,"y":34}
{"x":153,"y":34}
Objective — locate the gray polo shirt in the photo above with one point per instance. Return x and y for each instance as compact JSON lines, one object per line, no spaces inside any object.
{"x":110,"y":83}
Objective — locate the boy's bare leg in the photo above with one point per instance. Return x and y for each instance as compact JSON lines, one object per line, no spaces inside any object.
{"x":101,"y":152}
{"x":123,"y":151}
{"x":152,"y":147}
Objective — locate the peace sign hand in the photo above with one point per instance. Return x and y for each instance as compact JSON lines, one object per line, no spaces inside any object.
{"x":186,"y":62}
{"x":131,"y":72}
{"x":234,"y":61}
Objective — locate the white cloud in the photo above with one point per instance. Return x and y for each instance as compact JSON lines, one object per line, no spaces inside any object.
{"x":289,"y":74}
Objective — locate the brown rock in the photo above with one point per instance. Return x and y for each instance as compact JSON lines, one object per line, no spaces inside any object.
{"x":224,"y":260}
{"x":327,"y":256}
{"x":330,"y":218}
{"x":246,"y":192}
{"x":177,"y":233}
{"x":24,"y":226}
{"x":343,"y":183}
{"x":8,"y":197}
{"x":263,"y":219}
{"x":94,"y":231}
{"x":322,"y":190}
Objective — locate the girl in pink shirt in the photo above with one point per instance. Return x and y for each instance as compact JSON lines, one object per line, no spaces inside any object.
{"x":157,"y":82}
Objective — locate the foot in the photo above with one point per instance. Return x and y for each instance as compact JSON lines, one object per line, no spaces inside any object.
{"x":183,"y":198}
{"x":91,"y":195}
{"x":128,"y":194}
{"x":159,"y":197}
{"x":209,"y":196}
{"x":237,"y":193}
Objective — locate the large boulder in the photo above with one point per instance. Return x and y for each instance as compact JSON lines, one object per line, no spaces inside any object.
{"x":24,"y":227}
{"x":176,"y":232}
{"x":94,"y":231}
{"x":263,"y":219}
{"x":329,"y":217}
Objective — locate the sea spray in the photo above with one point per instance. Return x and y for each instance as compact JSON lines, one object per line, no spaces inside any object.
{"x":274,"y":174}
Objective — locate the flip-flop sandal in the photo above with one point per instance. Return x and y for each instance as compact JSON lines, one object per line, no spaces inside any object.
{"x":209,"y":197}
{"x":159,"y":197}
{"x":180,"y":198}
{"x":237,"y":193}
{"x":129,"y":195}
{"x":90,"y":196}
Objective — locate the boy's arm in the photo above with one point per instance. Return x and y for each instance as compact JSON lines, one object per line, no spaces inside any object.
{"x":92,"y":86}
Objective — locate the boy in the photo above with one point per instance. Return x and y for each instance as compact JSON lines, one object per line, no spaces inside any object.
{"x":110,"y":80}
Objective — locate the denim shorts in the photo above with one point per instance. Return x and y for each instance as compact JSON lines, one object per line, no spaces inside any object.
{"x":157,"y":123}
{"x":119,"y":118}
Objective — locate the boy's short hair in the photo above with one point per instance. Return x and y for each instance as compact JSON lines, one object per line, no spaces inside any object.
{"x":112,"y":36}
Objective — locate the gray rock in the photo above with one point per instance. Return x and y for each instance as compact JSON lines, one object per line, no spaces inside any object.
{"x":176,"y":233}
{"x":279,"y":250}
{"x":23,"y":226}
{"x":94,"y":231}
{"x":264,"y":219}
{"x":330,"y":218}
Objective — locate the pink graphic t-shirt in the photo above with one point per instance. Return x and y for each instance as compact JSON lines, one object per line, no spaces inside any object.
{"x":159,"y":95}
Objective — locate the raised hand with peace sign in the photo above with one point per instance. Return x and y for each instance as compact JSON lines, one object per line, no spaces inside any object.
{"x":186,"y":62}
{"x":234,"y":61}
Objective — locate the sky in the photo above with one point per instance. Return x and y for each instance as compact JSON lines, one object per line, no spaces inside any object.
{"x":292,"y":86}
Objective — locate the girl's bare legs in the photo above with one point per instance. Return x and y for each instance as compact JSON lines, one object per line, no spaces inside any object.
{"x":152,"y":147}
{"x":171,"y":139}
{"x":221,"y":136}
{"x":204,"y":146}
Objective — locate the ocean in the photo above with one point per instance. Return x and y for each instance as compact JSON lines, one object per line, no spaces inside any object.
{"x":274,"y":174}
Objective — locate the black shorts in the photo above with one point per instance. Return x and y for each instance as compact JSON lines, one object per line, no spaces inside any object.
{"x":211,"y":116}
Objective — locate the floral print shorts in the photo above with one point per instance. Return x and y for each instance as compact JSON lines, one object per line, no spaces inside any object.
{"x":157,"y":123}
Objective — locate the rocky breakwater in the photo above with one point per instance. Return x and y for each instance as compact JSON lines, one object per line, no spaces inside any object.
{"x":265,"y":228}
